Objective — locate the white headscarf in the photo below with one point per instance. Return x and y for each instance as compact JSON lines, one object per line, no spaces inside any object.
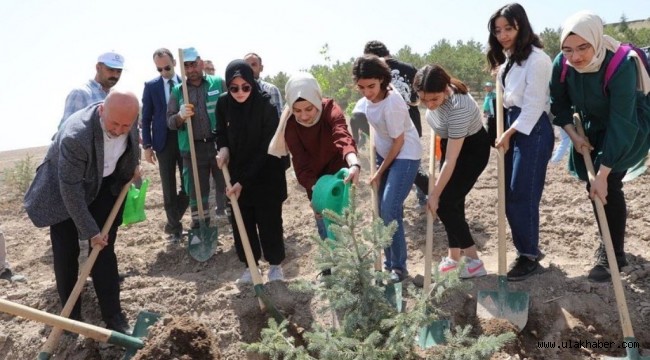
{"x":589,"y":26}
{"x":300,"y":86}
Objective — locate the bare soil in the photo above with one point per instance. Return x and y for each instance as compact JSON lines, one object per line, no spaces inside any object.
{"x":209,"y":315}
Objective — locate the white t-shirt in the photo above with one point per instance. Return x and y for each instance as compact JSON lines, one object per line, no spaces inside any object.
{"x":458,"y":117}
{"x":390,"y":119}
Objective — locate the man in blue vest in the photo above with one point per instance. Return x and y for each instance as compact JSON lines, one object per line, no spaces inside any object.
{"x":160,"y":143}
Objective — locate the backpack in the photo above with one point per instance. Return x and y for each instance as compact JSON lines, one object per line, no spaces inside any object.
{"x":616,"y":61}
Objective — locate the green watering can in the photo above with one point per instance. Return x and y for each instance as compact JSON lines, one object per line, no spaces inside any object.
{"x":330,"y":192}
{"x":134,"y":204}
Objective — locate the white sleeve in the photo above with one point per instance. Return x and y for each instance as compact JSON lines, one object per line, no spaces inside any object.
{"x":536,"y":97}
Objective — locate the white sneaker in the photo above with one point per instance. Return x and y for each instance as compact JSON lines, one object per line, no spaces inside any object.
{"x":275,"y":273}
{"x":473,"y":268}
{"x":447,"y":265}
{"x":246,"y":277}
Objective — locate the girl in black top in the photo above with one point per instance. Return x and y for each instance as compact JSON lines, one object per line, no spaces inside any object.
{"x":246,"y":122}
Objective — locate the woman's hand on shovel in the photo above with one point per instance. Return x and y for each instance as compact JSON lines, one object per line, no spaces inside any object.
{"x":222,"y":157}
{"x":234,"y":190}
{"x":504,"y":140}
{"x":99,"y":240}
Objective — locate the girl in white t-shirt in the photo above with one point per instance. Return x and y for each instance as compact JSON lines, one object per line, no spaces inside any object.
{"x":397,"y":147}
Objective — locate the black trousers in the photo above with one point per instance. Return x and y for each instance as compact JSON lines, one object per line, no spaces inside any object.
{"x":175,"y":203}
{"x":265,"y":233}
{"x":65,"y":249}
{"x":615,"y":211}
{"x":471,"y":162}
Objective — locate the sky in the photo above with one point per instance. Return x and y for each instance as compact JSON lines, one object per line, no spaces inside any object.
{"x":51,"y":47}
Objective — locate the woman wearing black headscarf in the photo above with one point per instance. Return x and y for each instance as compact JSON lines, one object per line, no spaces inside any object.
{"x":246,"y":123}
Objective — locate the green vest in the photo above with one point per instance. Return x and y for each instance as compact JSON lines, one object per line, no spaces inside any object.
{"x":213,"y":86}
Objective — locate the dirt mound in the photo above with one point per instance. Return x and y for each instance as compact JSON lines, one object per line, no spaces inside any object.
{"x":181,"y":338}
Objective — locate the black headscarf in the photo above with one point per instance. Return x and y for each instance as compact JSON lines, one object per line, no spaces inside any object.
{"x":249,"y":127}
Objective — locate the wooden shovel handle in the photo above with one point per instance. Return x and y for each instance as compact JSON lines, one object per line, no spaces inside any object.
{"x":501,"y":187}
{"x":190,"y":135}
{"x":374,"y":191}
{"x":428,"y":249}
{"x":621,"y":303}
{"x":53,"y":339}
{"x":250,"y":259}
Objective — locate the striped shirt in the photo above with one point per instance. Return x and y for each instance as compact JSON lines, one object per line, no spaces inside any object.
{"x":458,"y":117}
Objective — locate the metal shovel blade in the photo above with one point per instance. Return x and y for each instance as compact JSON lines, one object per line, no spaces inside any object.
{"x":202,"y":242}
{"x":393,"y":293}
{"x":433,"y":334}
{"x":503,"y":304}
{"x":268,"y":304}
{"x":141,"y":329}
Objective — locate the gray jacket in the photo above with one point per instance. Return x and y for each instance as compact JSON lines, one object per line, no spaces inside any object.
{"x":71,"y":174}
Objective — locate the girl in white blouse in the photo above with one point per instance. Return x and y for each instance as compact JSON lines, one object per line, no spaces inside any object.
{"x":525,"y":71}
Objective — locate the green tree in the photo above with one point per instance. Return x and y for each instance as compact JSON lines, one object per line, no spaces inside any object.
{"x":370,"y":327}
{"x":551,"y":41}
{"x":280,"y":80}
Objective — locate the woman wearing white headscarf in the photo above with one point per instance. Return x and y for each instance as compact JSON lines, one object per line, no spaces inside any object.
{"x":314,"y":130}
{"x":615,"y":120}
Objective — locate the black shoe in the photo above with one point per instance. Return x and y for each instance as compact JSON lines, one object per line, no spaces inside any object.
{"x":175,"y":238}
{"x":118,"y":323}
{"x":6,"y":274}
{"x":523,"y":268}
{"x":600,"y":272}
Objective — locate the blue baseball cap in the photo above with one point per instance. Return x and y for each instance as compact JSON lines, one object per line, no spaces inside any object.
{"x":190,"y":54}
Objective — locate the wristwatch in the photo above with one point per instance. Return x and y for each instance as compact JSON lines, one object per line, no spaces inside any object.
{"x":146,"y":146}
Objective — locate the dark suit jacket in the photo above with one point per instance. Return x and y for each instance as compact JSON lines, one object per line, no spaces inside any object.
{"x":154,"y":114}
{"x":71,"y":174}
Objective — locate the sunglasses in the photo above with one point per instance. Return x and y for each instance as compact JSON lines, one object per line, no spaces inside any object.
{"x":235,"y":89}
{"x":166,"y":68}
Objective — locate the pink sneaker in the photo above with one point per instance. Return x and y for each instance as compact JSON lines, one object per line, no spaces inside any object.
{"x":447,"y":265}
{"x":473,"y":268}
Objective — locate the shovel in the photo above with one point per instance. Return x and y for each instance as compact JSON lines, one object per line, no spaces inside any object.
{"x":131,"y":343}
{"x":265,"y":302}
{"x":632,"y":351}
{"x":392,"y":291}
{"x":53,"y":340}
{"x":202,"y":242}
{"x":501,"y":303}
{"x":433,"y":333}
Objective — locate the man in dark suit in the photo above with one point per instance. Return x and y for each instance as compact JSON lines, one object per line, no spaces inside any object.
{"x":94,"y":154}
{"x":161,"y":143}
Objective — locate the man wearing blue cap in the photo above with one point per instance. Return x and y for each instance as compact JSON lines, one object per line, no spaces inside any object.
{"x":109,"y":69}
{"x":203,"y":91}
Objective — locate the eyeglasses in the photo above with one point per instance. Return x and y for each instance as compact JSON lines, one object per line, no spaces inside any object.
{"x":580,"y":50}
{"x":166,"y":68}
{"x":235,"y":89}
{"x":190,"y":64}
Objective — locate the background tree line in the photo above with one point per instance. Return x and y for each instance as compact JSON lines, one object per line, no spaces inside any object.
{"x":464,"y":60}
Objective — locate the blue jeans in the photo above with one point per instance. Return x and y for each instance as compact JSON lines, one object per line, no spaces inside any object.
{"x":395,"y":185}
{"x":525,"y":168}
